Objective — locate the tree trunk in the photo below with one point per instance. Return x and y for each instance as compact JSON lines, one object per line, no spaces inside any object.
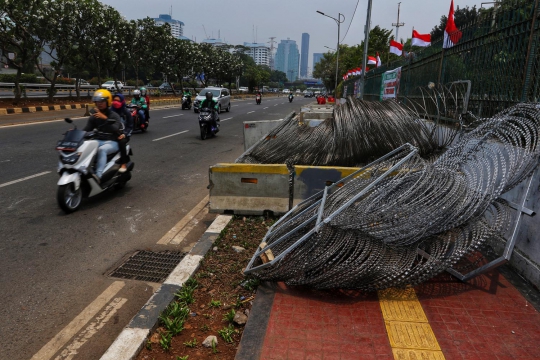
{"x":181,"y":83}
{"x":172,"y":85}
{"x":17,"y":90}
{"x":77,"y":88}
{"x":51,"y":89}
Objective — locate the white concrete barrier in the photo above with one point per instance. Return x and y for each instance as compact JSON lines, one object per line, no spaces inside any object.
{"x":256,"y":130}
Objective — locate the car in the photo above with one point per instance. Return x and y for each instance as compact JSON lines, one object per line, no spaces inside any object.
{"x":221,"y":95}
{"x":308,"y":94}
{"x":298,"y":91}
{"x":165,"y":87}
{"x":109,"y":85}
{"x":286,"y":91}
{"x":243,"y":89}
{"x":83,"y":82}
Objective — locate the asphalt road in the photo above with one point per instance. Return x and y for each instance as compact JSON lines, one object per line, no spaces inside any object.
{"x":53,"y":265}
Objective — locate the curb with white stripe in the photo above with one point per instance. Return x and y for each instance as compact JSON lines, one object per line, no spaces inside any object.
{"x":131,"y":340}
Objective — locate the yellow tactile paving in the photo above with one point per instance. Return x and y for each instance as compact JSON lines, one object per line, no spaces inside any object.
{"x":409,"y":332}
{"x":410,"y":354}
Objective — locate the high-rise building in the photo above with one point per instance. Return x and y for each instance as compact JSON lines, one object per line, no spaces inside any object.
{"x":316,"y":58}
{"x":288,"y":58}
{"x":177,"y":27}
{"x":215,"y":42}
{"x":259,"y":52}
{"x":304,"y":55}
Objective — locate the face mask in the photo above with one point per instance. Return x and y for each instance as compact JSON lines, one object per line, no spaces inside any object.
{"x":116,"y":104}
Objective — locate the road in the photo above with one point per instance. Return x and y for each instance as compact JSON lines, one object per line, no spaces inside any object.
{"x":54,"y":266}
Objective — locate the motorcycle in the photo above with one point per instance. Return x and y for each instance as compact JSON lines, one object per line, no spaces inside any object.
{"x":78,"y":153}
{"x":205,"y":120}
{"x":186,"y":102}
{"x":291,"y":97}
{"x":137,"y":123}
{"x":258,"y":99}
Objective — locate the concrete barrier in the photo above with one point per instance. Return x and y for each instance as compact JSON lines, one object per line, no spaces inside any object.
{"x":256,"y":130}
{"x":309,"y":180}
{"x":249,"y":189}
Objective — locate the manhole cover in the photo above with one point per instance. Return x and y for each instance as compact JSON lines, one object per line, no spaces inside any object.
{"x":148,"y":266}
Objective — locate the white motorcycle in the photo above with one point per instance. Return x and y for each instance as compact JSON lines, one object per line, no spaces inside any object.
{"x":78,"y":153}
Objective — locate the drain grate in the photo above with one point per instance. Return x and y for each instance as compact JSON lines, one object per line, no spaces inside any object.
{"x":148,"y":266}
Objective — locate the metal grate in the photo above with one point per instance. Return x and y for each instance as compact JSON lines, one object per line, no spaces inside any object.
{"x":148,"y":266}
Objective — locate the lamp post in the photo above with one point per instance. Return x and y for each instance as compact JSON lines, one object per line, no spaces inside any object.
{"x":366,"y":41}
{"x":338,"y":22}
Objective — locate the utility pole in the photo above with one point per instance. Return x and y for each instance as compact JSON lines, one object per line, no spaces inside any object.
{"x":366,"y":42}
{"x":398,"y":24}
{"x":272,"y":41}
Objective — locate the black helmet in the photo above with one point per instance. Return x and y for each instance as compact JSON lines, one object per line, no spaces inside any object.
{"x":209,"y":95}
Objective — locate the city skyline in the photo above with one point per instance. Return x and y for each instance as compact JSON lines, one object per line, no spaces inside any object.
{"x":281,"y":19}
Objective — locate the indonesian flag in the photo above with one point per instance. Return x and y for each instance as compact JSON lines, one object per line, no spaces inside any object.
{"x":451,"y":32}
{"x":396,"y":48}
{"x":358,"y":71}
{"x":372,"y":60}
{"x":422,"y":40}
{"x":379,"y":63}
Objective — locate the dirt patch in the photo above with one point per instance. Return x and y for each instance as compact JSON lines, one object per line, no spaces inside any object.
{"x":220,"y":291}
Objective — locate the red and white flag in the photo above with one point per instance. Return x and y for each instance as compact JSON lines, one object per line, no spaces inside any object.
{"x":372,"y":60}
{"x":379,"y":63}
{"x":451,"y":32}
{"x":420,"y":39}
{"x":358,"y":71}
{"x":396,"y":48}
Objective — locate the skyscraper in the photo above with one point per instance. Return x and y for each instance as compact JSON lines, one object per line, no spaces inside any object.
{"x":177,"y":27}
{"x":288,"y":58}
{"x":316,"y":58}
{"x":305,"y":54}
{"x":259,"y":52}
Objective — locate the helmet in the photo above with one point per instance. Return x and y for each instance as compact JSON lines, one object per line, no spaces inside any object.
{"x":103,"y":95}
{"x":136,"y":93}
{"x":209,"y":95}
{"x":143,"y":91}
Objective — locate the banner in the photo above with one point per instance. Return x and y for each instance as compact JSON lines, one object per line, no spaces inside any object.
{"x":390,"y":84}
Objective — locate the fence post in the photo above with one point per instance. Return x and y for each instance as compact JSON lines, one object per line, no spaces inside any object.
{"x":531,"y":55}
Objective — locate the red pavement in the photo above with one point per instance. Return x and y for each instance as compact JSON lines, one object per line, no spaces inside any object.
{"x":486,"y":318}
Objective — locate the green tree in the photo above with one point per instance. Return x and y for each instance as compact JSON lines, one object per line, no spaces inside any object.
{"x":19,"y":29}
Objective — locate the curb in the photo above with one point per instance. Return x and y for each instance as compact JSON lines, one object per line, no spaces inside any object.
{"x":33,"y":109}
{"x":131,"y":340}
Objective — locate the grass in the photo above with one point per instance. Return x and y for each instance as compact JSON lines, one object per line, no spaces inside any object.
{"x":215,"y":303}
{"x":205,"y":328}
{"x":226,"y":333}
{"x":229,"y":316}
{"x":191,"y":344}
{"x":182,"y":357}
{"x":165,"y":341}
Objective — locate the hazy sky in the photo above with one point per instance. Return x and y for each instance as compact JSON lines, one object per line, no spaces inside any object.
{"x":235,"y":19}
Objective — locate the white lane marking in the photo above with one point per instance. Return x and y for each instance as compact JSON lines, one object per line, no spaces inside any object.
{"x":168,"y":136}
{"x":42,"y":122}
{"x":101,"y":320}
{"x":226,"y":119}
{"x":187,"y":229}
{"x":166,"y":117}
{"x":282,"y":103}
{"x":265,"y":108}
{"x":251,"y":112}
{"x":185,"y":220}
{"x":57,"y":342}
{"x":235,"y":105}
{"x":276,"y":105}
{"x":23,"y":179}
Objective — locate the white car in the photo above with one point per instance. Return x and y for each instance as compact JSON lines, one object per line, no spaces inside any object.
{"x":286,"y":91}
{"x":243,"y":89}
{"x":298,"y":91}
{"x":109,"y":85}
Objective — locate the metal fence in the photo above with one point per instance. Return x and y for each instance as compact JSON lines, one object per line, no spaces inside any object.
{"x":499,"y":53}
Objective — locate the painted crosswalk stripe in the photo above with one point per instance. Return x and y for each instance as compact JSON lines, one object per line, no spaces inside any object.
{"x":168,"y":136}
{"x":24,"y":178}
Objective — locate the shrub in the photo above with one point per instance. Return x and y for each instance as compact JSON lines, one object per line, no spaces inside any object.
{"x":25,"y":78}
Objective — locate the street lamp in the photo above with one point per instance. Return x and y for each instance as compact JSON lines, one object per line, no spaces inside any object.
{"x":338,"y":22}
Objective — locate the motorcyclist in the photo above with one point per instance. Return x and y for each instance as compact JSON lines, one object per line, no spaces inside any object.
{"x":291,"y":96}
{"x":141,"y":105}
{"x":119,"y":107}
{"x":107,"y":133}
{"x":259,"y":95}
{"x":146,"y":95}
{"x":187,"y":94}
{"x":210,"y":103}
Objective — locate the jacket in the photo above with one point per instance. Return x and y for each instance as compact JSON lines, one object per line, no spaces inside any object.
{"x":105,"y":131}
{"x":141,"y":102}
{"x":212,"y":104}
{"x":125,"y":116}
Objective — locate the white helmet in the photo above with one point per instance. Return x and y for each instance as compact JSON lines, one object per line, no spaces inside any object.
{"x":136,"y":93}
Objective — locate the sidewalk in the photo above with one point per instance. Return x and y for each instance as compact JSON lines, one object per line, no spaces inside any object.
{"x":486,"y":318}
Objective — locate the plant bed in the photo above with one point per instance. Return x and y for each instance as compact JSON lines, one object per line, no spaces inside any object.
{"x":32,"y":101}
{"x":210,"y":300}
